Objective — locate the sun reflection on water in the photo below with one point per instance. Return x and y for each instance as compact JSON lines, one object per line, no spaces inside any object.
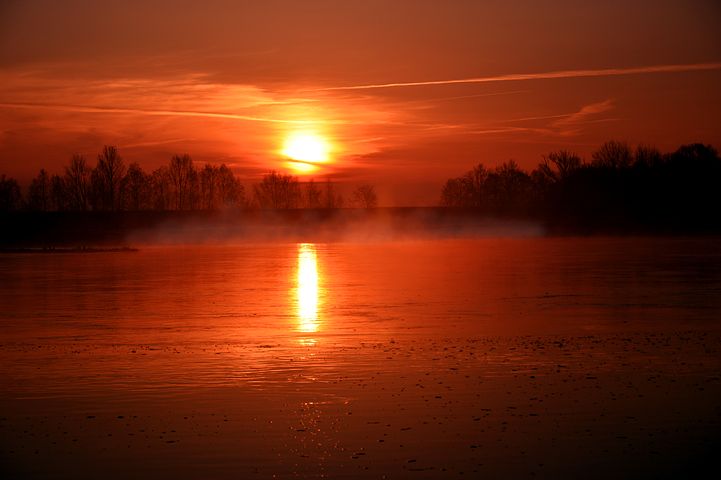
{"x":307,"y":289}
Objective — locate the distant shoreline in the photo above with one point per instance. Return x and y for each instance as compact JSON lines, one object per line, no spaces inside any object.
{"x":53,"y":249}
{"x":89,"y":232}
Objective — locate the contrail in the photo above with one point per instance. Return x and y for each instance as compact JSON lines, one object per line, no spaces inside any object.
{"x":179,"y":113}
{"x":185,"y":113}
{"x":140,"y":111}
{"x":513,"y":77}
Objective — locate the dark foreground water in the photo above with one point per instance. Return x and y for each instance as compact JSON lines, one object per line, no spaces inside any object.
{"x":591,"y":358}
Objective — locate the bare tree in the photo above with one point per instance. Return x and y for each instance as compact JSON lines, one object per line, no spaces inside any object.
{"x":107,"y":178}
{"x":10,"y":197}
{"x":556,"y":166}
{"x":613,"y":154}
{"x":136,"y":188}
{"x":312,"y":195}
{"x":466,"y":191}
{"x":332,"y":199}
{"x":59,"y":193}
{"x":508,"y":187}
{"x":277,"y":191}
{"x":365,"y":196}
{"x":182,"y":175}
{"x":77,"y":182}
{"x":453,"y":193}
{"x":474,"y":182}
{"x":505,"y":188}
{"x":209,"y":187}
{"x":39,"y":192}
{"x":647,"y":156}
{"x":160,"y":189}
{"x":695,"y":155}
{"x":230,"y":190}
{"x":193,"y":202}
{"x":219,"y":188}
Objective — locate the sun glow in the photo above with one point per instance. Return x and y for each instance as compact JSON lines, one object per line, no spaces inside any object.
{"x":305,"y":150}
{"x":307,"y":288}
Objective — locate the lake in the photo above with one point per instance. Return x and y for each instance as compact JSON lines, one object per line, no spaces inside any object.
{"x":436,"y":358}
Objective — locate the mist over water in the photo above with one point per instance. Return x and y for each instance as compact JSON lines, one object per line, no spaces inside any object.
{"x":350,"y":226}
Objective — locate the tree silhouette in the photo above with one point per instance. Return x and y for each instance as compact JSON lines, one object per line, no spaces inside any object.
{"x":332,"y":198}
{"x":508,"y":188}
{"x":501,"y":190}
{"x":135,"y":188}
{"x":277,"y":191}
{"x":10,"y":197}
{"x":467,"y":190}
{"x":474,"y":183}
{"x":312,"y":195}
{"x":647,"y":157}
{"x":695,"y":155}
{"x":691,"y":178}
{"x":107,"y":179}
{"x":231,"y":191}
{"x":365,"y":196}
{"x":556,"y":166}
{"x":183,"y":179}
{"x":620,"y":189}
{"x":453,"y":193}
{"x":209,"y":188}
{"x":58,"y":193}
{"x":160,"y":188}
{"x":613,"y":155}
{"x":639,"y":188}
{"x":39,"y":192}
{"x":77,"y":182}
{"x":219,"y":188}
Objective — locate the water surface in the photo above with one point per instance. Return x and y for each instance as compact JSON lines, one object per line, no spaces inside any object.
{"x":436,"y":357}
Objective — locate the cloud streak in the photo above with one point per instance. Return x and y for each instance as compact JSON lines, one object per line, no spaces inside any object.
{"x":565,"y":125}
{"x":571,"y":124}
{"x":515,"y":77}
{"x":140,"y":111}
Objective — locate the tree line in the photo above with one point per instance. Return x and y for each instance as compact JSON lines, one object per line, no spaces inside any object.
{"x":620,"y":185}
{"x":179,"y":185}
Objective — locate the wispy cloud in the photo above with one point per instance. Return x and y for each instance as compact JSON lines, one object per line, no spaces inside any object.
{"x":195,"y":112}
{"x":140,"y":111}
{"x":585,"y":112}
{"x":514,"y":77}
{"x":428,"y":102}
{"x":191,"y":95}
{"x":565,"y":124}
{"x":156,"y":143}
{"x":571,"y":124}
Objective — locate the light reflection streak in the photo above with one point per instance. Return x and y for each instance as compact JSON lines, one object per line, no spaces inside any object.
{"x":307,"y":289}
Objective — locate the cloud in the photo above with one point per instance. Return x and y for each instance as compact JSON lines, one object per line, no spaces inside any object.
{"x":435,"y":101}
{"x":570,"y":124}
{"x":565,"y":124}
{"x":585,"y":112}
{"x":240,"y":124}
{"x":514,"y":77}
{"x":140,"y":111}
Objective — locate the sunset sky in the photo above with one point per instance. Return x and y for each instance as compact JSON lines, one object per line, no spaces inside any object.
{"x":405,"y":93}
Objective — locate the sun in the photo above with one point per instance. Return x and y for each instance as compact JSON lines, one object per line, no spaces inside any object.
{"x":306,"y":147}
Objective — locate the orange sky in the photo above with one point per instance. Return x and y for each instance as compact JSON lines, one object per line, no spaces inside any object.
{"x":408,"y":93}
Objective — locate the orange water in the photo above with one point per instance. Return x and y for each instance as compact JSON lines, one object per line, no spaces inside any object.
{"x":292,"y":359}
